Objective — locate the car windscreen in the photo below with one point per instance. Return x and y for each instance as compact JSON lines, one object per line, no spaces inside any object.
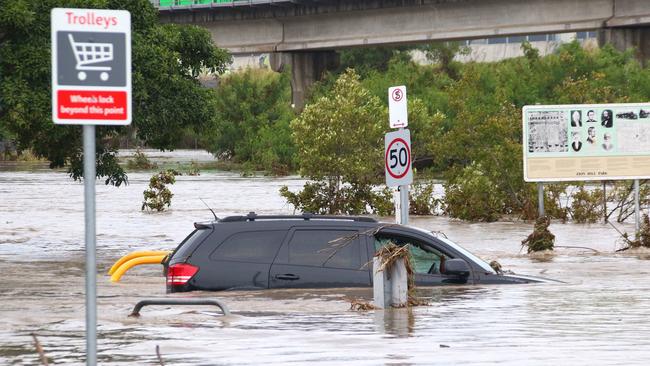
{"x":466,"y":253}
{"x":186,"y":247}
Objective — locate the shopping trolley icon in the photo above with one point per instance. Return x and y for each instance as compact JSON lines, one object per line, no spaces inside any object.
{"x":88,"y":54}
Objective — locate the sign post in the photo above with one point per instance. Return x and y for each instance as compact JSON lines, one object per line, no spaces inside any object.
{"x":398,"y":169}
{"x":397,"y":160}
{"x":91,"y":85}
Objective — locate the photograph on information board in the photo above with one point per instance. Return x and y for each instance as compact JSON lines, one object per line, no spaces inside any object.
{"x":586,"y":142}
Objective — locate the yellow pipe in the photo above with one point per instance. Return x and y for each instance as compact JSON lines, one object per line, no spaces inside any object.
{"x":136,"y":254}
{"x":153,"y":259}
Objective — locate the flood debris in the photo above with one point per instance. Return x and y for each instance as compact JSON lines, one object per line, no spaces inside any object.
{"x":360,"y":305}
{"x":541,"y":238}
{"x":160,"y":360}
{"x":642,"y":239}
{"x":39,"y":349}
{"x":496,"y":266}
{"x":388,"y":255}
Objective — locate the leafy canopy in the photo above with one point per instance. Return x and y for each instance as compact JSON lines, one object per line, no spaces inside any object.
{"x":339,"y":139}
{"x":167,"y":98}
{"x":253,"y":112}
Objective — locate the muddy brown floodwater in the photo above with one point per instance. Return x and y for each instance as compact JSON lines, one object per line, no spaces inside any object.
{"x":600,"y":316}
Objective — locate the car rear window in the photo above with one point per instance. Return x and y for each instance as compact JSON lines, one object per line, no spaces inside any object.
{"x":186,"y":247}
{"x":250,"y":246}
{"x":313,"y":248}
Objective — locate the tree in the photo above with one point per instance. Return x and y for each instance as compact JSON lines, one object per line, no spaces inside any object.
{"x":367,"y":59}
{"x":167,"y":97}
{"x":253,"y":112}
{"x":443,"y":54}
{"x":339,"y":139}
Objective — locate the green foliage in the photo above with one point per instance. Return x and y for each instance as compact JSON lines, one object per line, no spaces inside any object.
{"x":643,"y":238}
{"x":167,"y":98}
{"x":466,"y":119}
{"x":158,"y":196}
{"x":585,"y":206}
{"x":339,"y":140}
{"x":253,"y":112}
{"x":443,"y":53}
{"x":541,"y":238}
{"x":473,"y":196}
{"x":140,"y":161}
{"x":193,"y":169}
{"x":107,"y":166}
{"x":421,"y":199}
{"x":554,"y":195}
{"x":372,"y":59}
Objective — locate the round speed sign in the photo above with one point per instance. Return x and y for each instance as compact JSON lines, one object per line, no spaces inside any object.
{"x":398,"y":158}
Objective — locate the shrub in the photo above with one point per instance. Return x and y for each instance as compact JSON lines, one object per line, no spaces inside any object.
{"x":421,"y":199}
{"x":158,"y":196}
{"x":140,"y":161}
{"x":473,"y":196}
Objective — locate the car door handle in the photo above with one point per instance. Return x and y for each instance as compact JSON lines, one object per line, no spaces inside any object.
{"x":287,"y":276}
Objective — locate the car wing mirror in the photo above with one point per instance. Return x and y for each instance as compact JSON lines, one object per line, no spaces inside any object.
{"x":457,"y":267}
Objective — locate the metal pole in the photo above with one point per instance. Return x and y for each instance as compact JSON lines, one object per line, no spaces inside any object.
{"x":605,"y":201}
{"x":91,"y":266}
{"x":636,"y":209}
{"x":540,"y":198}
{"x":404,"y":204}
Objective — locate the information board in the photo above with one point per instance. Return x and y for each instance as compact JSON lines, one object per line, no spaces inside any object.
{"x":91,"y":66}
{"x":586,"y":142}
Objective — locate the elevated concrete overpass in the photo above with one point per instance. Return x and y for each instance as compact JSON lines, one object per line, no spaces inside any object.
{"x":304,"y":33}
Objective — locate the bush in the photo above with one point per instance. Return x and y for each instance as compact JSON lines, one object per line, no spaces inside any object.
{"x":140,"y":161}
{"x":251,"y":122}
{"x":473,"y":196}
{"x":585,"y":207}
{"x":421,"y":199}
{"x":158,"y":196}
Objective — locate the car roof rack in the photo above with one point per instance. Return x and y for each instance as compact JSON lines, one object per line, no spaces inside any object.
{"x":252,"y":216}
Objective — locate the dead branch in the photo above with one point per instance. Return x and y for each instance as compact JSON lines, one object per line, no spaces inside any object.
{"x":39,"y":349}
{"x":160,"y":360}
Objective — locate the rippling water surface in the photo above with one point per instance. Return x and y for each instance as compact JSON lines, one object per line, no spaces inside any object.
{"x":599,"y":316}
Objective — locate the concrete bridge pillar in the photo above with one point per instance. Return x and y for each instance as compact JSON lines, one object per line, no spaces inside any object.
{"x":625,"y":38}
{"x":306,"y":68}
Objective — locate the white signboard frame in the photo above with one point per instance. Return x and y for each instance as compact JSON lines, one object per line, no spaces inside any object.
{"x":397,"y":107}
{"x":397,"y":158}
{"x":91,"y":66}
{"x":586,"y":142}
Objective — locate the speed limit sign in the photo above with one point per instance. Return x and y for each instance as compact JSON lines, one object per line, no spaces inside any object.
{"x":397,"y":158}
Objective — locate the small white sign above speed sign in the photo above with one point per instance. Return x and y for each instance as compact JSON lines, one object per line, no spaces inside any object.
{"x":397,"y":158}
{"x":397,"y":107}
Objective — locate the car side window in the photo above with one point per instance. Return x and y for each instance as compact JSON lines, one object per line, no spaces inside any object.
{"x":250,"y":246}
{"x":424,"y":258}
{"x":315,"y":248}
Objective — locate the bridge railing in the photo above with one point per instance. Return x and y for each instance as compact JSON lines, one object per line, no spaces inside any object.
{"x":180,"y":4}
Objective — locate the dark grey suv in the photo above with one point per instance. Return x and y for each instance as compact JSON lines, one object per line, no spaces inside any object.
{"x":258,"y":252}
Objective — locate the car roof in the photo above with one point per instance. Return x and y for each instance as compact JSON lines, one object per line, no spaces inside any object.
{"x":290,"y":220}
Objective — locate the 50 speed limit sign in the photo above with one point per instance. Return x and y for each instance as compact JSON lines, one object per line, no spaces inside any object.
{"x":397,"y":158}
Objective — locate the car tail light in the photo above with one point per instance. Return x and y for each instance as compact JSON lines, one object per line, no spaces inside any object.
{"x":180,"y":273}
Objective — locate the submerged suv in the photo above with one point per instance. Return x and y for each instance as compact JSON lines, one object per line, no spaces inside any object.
{"x":308,"y":251}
